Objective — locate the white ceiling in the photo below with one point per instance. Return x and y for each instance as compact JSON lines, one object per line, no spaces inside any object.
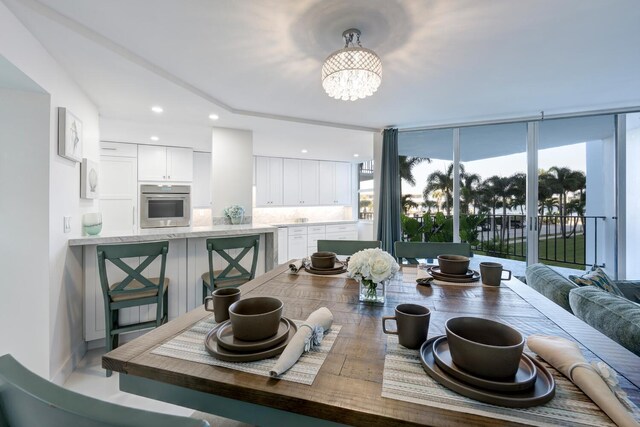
{"x":444,"y":61}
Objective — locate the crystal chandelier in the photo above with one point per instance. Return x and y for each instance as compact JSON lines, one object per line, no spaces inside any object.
{"x":352,"y":72}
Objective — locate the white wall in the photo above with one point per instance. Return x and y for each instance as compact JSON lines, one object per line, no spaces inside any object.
{"x":24,"y":227}
{"x":64,"y":298}
{"x":232,"y":181}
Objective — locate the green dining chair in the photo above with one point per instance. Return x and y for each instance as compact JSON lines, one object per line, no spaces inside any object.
{"x":412,"y":251}
{"x":135,"y":289}
{"x":347,"y":247}
{"x":233,"y":274}
{"x":27,"y":399}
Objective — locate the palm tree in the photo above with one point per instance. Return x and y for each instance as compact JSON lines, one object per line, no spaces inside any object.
{"x":443,"y":182}
{"x":499,"y":189}
{"x":519,"y":190}
{"x":567,"y":181}
{"x":468,"y":191}
{"x":406,"y":165}
{"x":407,"y":203}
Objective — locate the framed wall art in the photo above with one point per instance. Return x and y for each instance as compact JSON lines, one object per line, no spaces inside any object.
{"x":89,"y":179}
{"x":69,"y":135}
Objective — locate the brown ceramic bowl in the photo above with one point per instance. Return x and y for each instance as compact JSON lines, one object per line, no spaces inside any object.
{"x":323,"y":259}
{"x":453,"y":264}
{"x":484,"y":347}
{"x":255,"y":319}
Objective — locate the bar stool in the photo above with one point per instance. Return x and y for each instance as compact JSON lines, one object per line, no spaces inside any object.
{"x":135,"y":289}
{"x":234,"y":274}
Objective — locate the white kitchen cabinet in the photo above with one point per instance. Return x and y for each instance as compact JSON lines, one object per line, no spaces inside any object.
{"x":156,"y":163}
{"x":336,"y":183}
{"x":314,"y":233}
{"x":297,"y":247}
{"x":342,"y":232}
{"x":269,"y":181}
{"x":300,"y":182}
{"x":118,"y":149}
{"x":201,"y":187}
{"x":283,"y":253}
{"x":118,"y":193}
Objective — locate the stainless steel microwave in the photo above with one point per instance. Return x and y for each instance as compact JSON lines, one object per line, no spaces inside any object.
{"x":165,"y":206}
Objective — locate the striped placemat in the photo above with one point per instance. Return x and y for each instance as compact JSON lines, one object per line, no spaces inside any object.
{"x":404,"y":379}
{"x":190,"y":346}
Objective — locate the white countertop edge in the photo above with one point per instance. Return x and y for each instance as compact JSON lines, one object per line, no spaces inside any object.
{"x":304,"y":224}
{"x":169,"y":233}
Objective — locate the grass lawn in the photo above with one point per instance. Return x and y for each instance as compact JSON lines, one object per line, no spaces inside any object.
{"x":552,"y":249}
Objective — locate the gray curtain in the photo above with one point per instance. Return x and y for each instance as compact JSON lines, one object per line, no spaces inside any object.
{"x":389,"y":227}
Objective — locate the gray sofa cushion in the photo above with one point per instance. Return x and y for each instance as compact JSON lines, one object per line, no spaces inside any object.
{"x":630,"y":289}
{"x":616,"y":317}
{"x":550,"y":284}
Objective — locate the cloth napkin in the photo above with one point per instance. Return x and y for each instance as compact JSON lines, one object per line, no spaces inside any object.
{"x":597,"y":380}
{"x":294,"y":267}
{"x":309,"y":334}
{"x":423,"y":277}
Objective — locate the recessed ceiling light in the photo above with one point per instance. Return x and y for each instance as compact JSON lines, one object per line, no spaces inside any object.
{"x":157,"y":109}
{"x":303,"y":150}
{"x":155,"y":138}
{"x":356,"y":155}
{"x":214,"y":116}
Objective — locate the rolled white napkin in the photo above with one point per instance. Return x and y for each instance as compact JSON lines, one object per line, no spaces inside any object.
{"x":423,"y":277}
{"x":566,"y":357}
{"x":295,"y":266}
{"x":316,"y":324}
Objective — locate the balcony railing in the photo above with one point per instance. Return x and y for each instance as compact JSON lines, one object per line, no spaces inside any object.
{"x":562,"y":239}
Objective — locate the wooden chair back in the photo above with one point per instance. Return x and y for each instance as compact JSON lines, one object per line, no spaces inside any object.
{"x":29,"y":400}
{"x":116,"y":253}
{"x":347,"y":247}
{"x":222,"y":246}
{"x":411,"y":251}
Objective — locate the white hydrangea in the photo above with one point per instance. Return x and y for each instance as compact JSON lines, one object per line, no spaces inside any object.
{"x":373,"y":265}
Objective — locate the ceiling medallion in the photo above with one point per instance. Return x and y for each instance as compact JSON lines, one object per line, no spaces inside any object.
{"x":352,"y":72}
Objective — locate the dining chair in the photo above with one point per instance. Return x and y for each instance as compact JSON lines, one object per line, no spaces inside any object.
{"x":135,"y":289}
{"x":27,"y":399}
{"x":411,"y":251}
{"x":233,"y":274}
{"x":347,"y":247}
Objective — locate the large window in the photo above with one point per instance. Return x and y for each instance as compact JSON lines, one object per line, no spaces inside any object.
{"x":365,"y":191}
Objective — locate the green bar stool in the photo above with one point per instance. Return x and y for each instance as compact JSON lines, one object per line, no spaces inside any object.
{"x":411,"y":251}
{"x":347,"y":247}
{"x":135,"y":289}
{"x":234,"y":274}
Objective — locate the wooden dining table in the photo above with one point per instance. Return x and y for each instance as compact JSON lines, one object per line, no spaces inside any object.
{"x":347,"y":389}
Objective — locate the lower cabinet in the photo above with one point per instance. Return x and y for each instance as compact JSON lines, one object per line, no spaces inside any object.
{"x":303,"y":241}
{"x":298,"y":246}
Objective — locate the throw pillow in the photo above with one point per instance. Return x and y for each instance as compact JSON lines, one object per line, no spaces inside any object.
{"x":599,"y":279}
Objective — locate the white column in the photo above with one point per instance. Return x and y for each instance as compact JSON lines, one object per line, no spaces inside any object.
{"x":456,"y":185}
{"x":532,"y":192}
{"x":620,"y":254}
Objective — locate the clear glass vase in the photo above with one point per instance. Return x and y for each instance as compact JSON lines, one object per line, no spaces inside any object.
{"x":237,"y":219}
{"x":372,"y":292}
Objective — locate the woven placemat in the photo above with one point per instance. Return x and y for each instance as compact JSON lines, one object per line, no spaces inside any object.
{"x":404,"y":379}
{"x":189,"y":345}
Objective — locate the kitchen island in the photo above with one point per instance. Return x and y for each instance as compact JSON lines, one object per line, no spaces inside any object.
{"x":186,"y":261}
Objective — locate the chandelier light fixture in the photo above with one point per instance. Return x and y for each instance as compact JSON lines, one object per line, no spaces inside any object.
{"x":352,"y":72}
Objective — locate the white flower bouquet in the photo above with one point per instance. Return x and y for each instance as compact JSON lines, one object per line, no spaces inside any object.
{"x":235,"y":213}
{"x":371,"y":267}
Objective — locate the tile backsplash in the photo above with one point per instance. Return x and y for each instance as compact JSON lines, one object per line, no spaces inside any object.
{"x":284,"y":215}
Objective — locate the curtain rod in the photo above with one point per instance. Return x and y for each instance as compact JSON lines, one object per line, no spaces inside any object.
{"x":538,"y":117}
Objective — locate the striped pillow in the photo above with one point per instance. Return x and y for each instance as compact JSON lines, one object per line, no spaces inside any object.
{"x":599,"y":279}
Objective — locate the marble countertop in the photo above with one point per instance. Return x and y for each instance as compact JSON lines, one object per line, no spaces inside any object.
{"x":304,"y":224}
{"x":151,"y":234}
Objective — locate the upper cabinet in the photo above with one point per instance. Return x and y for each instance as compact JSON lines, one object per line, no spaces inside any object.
{"x":156,"y":163}
{"x":268,"y":177}
{"x":300,"y":182}
{"x":335,"y":179}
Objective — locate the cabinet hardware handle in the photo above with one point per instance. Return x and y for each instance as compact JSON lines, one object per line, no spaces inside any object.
{"x":164,"y":177}
{"x":109,"y":148}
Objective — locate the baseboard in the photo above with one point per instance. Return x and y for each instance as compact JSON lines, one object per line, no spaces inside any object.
{"x":70,"y":364}
{"x":124,"y":338}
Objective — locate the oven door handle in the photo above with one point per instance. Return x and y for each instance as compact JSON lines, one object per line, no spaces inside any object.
{"x":166,"y":196}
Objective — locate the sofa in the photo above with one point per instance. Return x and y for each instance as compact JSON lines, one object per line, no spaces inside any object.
{"x":616,"y":316}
